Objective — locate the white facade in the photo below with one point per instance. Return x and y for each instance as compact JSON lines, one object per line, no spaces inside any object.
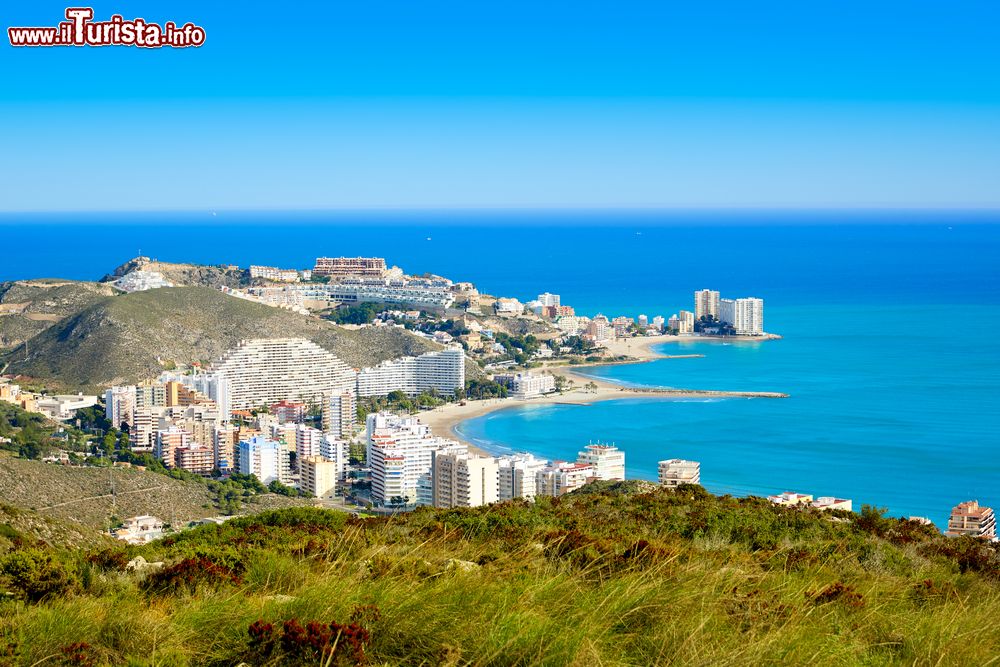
{"x":140,"y":281}
{"x":266,"y":459}
{"x":674,"y":472}
{"x":401,"y":456}
{"x":443,"y":371}
{"x":319,"y":477}
{"x":340,"y":413}
{"x":462,"y":479}
{"x":119,"y":405}
{"x":518,"y":476}
{"x":607,"y":461}
{"x":527,"y":385}
{"x":706,"y":302}
{"x":265,"y":371}
{"x":562,"y":477}
{"x":745,"y":315}
{"x":308,"y":442}
{"x":547,"y":299}
{"x":213,"y":385}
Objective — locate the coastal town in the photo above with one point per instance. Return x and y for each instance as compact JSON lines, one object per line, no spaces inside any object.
{"x":289,"y":416}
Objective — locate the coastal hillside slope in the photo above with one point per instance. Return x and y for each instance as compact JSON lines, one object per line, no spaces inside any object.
{"x":189,"y":275}
{"x":28,"y":307}
{"x":618,"y":574}
{"x":133,"y":337}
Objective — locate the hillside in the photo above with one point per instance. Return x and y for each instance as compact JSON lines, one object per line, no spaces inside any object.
{"x":184,"y":275}
{"x":28,"y":307}
{"x":81,"y":496}
{"x":615,"y":576}
{"x":132,"y":337}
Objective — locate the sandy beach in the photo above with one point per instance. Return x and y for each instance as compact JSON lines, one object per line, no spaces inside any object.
{"x":445,"y":418}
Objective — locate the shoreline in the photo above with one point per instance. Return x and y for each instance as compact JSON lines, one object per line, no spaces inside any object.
{"x":444,"y":420}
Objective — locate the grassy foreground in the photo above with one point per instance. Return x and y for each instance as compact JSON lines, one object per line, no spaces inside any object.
{"x":601,"y":577}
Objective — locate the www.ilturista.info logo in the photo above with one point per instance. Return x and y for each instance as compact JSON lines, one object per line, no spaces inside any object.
{"x":81,"y":30}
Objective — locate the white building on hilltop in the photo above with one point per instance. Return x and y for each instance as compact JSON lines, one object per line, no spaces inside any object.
{"x":745,"y":315}
{"x":607,"y":461}
{"x":442,"y":371}
{"x":462,"y":479}
{"x":518,"y":476}
{"x":265,"y":371}
{"x":674,"y":472}
{"x":140,"y":281}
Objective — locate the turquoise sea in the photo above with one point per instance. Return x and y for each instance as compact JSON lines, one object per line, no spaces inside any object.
{"x":889,"y":318}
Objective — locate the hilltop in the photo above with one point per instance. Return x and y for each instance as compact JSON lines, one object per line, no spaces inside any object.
{"x":616,"y":575}
{"x":132,"y":337}
{"x":189,"y":275}
{"x":28,"y":307}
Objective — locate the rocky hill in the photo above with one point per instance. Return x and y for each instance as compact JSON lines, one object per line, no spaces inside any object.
{"x":189,"y":275}
{"x":28,"y":307}
{"x":132,"y":337}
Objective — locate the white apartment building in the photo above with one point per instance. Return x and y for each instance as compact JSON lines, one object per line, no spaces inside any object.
{"x":140,"y":281}
{"x":266,"y":459}
{"x":308,"y":442}
{"x":462,"y":479}
{"x":971,"y":518}
{"x":319,"y":477}
{"x":706,"y":302}
{"x":568,"y":324}
{"x":212,"y":385}
{"x":119,"y":405}
{"x":401,"y":456}
{"x":745,"y":315}
{"x":658,"y":322}
{"x":599,"y":329}
{"x":274,"y":273}
{"x":547,"y":299}
{"x":527,"y":385}
{"x":443,"y":371}
{"x":350,"y":266}
{"x":340,"y":413}
{"x":686,"y":320}
{"x":265,"y":371}
{"x":607,"y":461}
{"x":562,"y":477}
{"x":518,"y":476}
{"x":674,"y":472}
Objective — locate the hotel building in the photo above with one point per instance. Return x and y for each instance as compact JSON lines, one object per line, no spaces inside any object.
{"x":562,"y":477}
{"x":266,"y":459}
{"x":518,"y":476}
{"x":971,"y":518}
{"x":401,"y":457}
{"x":745,"y":315}
{"x":706,"y":302}
{"x":350,"y":266}
{"x":443,"y":371}
{"x":607,"y":461}
{"x":526,"y":385}
{"x":462,"y":479}
{"x":674,"y":472}
{"x":265,"y":371}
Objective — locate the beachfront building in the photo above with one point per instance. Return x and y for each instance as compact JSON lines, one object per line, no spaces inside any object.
{"x":265,"y":459}
{"x":320,"y":477}
{"x":526,"y":385}
{"x":400,"y":453}
{"x":674,"y":472}
{"x":518,"y":476}
{"x":599,"y":329}
{"x":265,"y":371}
{"x":562,"y":477}
{"x":442,"y":371}
{"x":826,"y":503}
{"x":607,"y":461}
{"x":971,"y":518}
{"x":462,"y":479}
{"x":791,"y":499}
{"x":658,"y":323}
{"x":686,"y":320}
{"x":706,"y":302}
{"x":745,"y":315}
{"x":373,"y":267}
{"x":340,"y":413}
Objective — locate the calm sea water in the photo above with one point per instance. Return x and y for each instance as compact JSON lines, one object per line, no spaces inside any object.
{"x":889,"y":321}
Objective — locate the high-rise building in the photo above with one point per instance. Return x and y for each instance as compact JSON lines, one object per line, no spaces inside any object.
{"x":674,"y":472}
{"x":745,"y":315}
{"x":400,"y":455}
{"x":308,"y":442}
{"x":319,"y":477}
{"x":211,"y":385}
{"x":547,"y":299}
{"x":658,"y":322}
{"x":518,"y":476}
{"x":266,"y":459}
{"x":119,"y":405}
{"x":706,"y":302}
{"x":226,"y":441}
{"x":462,"y":479}
{"x":607,"y":461}
{"x":197,"y":459}
{"x":265,"y":371}
{"x":168,"y":441}
{"x":340,"y":413}
{"x":971,"y":518}
{"x":442,"y":371}
{"x":686,"y":321}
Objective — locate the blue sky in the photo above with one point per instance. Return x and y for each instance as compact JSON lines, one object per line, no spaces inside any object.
{"x":511,"y":104}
